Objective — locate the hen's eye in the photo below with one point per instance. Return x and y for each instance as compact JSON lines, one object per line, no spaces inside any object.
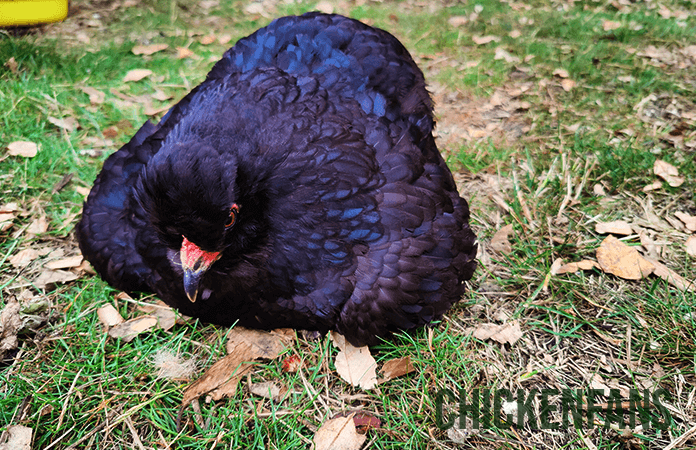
{"x":232,"y":218}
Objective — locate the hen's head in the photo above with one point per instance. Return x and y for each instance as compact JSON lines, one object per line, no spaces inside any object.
{"x":191,"y":195}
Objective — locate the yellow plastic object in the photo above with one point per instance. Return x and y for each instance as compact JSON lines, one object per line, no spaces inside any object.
{"x":29,"y":12}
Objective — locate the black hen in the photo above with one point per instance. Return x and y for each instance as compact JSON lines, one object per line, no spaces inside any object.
{"x":298,"y":186}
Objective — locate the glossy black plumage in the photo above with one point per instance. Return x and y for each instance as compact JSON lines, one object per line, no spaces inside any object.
{"x":320,"y":129}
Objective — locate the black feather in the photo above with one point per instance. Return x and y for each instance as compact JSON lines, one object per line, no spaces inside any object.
{"x":320,"y":129}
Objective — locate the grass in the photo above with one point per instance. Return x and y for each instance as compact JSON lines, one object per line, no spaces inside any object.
{"x":76,"y":387}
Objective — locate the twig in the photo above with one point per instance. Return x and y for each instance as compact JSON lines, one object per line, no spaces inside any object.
{"x":67,"y":399}
{"x":681,"y":439}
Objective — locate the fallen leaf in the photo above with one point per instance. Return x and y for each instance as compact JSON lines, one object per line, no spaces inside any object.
{"x":689,"y":220}
{"x":69,"y":124}
{"x":49,"y":278}
{"x":620,"y":227}
{"x":355,"y":364}
{"x":65,"y":263}
{"x":619,"y":259}
{"x":137,"y":75}
{"x":458,"y":21}
{"x":12,"y":65}
{"x":207,"y":40}
{"x":325,"y":7}
{"x":668,"y":172}
{"x":220,"y":380}
{"x":567,"y":84}
{"x":10,"y":324}
{"x":183,"y":52}
{"x":691,"y":246}
{"x":161,"y":96}
{"x":38,"y":226}
{"x":149,"y":49}
{"x":395,"y":368}
{"x":482,"y":40}
{"x":24,"y":257}
{"x":224,"y":38}
{"x":500,"y":242}
{"x":657,"y":184}
{"x":338,"y":434}
{"x":258,"y":343}
{"x":22,"y":148}
{"x":244,"y":346}
{"x":561,"y":73}
{"x":501,"y":53}
{"x":267,"y":389}
{"x":129,"y":329}
{"x":671,"y":276}
{"x":609,"y":25}
{"x":16,"y":437}
{"x":109,"y":316}
{"x":573,"y":267}
{"x":166,"y":316}
{"x":507,"y":333}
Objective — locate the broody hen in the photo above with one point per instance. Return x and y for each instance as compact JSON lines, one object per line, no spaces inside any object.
{"x":298,"y":186}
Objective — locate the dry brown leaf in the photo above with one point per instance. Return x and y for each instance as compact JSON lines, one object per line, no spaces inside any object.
{"x":183,"y":52}
{"x":137,"y":75}
{"x":25,"y":149}
{"x":243,"y":346}
{"x":501,"y":53}
{"x":16,"y":437}
{"x":69,"y":124}
{"x":668,"y":172}
{"x":96,"y":97}
{"x":561,"y":73}
{"x":149,"y":49}
{"x":689,"y":220}
{"x":458,"y":21}
{"x":616,"y":227}
{"x":24,"y":257}
{"x":166,"y":316}
{"x":338,"y":434}
{"x":671,"y":276}
{"x":482,"y":40}
{"x":109,"y":316}
{"x":220,"y":380}
{"x":49,"y":278}
{"x":325,"y":7}
{"x":129,"y":329}
{"x":395,"y":368}
{"x":161,"y":96}
{"x":12,"y":65}
{"x":573,"y":267}
{"x":500,"y":242}
{"x":619,"y":259}
{"x":258,"y":343}
{"x":65,"y":263}
{"x":268,"y":389}
{"x":38,"y":226}
{"x":691,"y":246}
{"x":657,"y":184}
{"x":10,"y":324}
{"x":567,"y":84}
{"x":507,"y":333}
{"x":609,"y":25}
{"x":355,"y":364}
{"x":207,"y":40}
